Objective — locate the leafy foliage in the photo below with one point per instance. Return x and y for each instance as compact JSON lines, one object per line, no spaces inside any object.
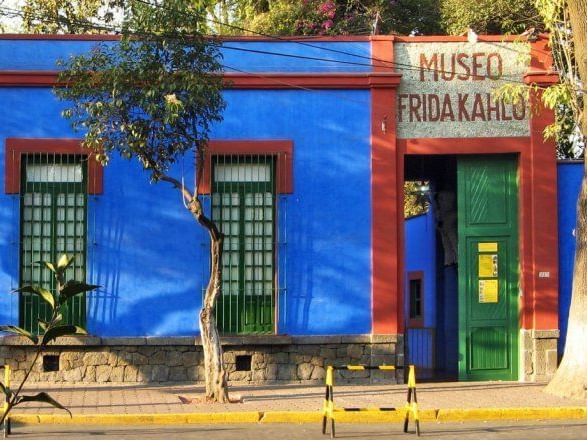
{"x":489,"y":16}
{"x":52,"y":329}
{"x":340,"y":17}
{"x":155,"y":95}
{"x":69,"y":16}
{"x":415,"y":200}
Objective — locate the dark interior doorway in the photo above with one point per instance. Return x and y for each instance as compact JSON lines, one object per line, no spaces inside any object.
{"x":431,"y":287}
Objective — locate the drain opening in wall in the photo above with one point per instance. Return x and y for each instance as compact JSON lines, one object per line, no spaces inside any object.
{"x":50,"y":363}
{"x":243,"y":362}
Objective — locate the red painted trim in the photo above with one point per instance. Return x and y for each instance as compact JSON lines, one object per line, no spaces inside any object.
{"x":63,"y":37}
{"x":417,"y":275}
{"x":16,"y":147}
{"x":282,"y":149}
{"x":458,"y":39}
{"x":313,"y":80}
{"x":543,"y":301}
{"x":28,"y":78}
{"x":387,"y":250}
{"x":464,"y":145}
{"x":239,"y":81}
{"x":541,"y":78}
{"x":102,"y":37}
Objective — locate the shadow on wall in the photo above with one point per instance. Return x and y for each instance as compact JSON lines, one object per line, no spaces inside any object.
{"x":145,"y":253}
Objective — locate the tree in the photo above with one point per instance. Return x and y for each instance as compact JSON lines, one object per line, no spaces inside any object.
{"x":489,"y":16}
{"x":153,"y":97}
{"x":69,"y":16}
{"x":566,"y":21}
{"x":338,"y":17}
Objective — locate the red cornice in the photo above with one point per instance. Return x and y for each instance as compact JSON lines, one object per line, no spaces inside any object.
{"x":541,"y":77}
{"x":102,"y":37}
{"x":16,"y":147}
{"x":459,"y":39}
{"x":282,"y":149}
{"x":368,"y":80}
{"x":478,"y":145}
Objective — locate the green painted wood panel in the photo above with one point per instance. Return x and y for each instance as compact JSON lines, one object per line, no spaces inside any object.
{"x":488,"y":267}
{"x":243,"y":205}
{"x":53,"y":211}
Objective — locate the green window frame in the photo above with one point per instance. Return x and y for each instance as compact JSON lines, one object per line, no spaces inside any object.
{"x":53,"y":209}
{"x":243,"y":206}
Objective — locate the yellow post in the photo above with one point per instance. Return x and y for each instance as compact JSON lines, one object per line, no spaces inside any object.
{"x":412,"y":406}
{"x":7,"y":385}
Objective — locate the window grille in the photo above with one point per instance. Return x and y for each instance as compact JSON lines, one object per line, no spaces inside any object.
{"x":243,"y":206}
{"x":53,"y":204}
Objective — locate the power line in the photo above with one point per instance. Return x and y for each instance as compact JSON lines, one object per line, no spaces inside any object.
{"x":403,"y":66}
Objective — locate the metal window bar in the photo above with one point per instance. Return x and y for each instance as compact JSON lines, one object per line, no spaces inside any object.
{"x":244,"y":207}
{"x":53,"y":222}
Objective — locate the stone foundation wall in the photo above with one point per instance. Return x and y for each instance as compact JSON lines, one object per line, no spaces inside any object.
{"x":249,"y":360}
{"x":538,"y":354}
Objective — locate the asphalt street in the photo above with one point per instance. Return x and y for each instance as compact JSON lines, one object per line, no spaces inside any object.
{"x":557,"y":430}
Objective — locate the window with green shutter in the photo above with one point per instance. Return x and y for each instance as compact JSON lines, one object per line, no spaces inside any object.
{"x":53,"y":222}
{"x":243,"y":205}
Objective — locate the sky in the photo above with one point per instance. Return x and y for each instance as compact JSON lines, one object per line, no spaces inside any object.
{"x":10,"y":24}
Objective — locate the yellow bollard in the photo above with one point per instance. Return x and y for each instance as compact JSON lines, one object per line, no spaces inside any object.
{"x":5,"y":406}
{"x":6,"y":384}
{"x":412,"y":407}
{"x":328,"y":408}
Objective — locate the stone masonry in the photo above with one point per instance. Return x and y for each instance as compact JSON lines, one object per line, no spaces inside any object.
{"x":538,"y":354}
{"x":249,"y":360}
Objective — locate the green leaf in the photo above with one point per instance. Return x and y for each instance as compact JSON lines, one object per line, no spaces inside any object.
{"x":43,"y":324}
{"x":48,"y":266}
{"x":39,"y":291}
{"x":19,"y":331}
{"x":62,"y":330}
{"x":7,"y":391}
{"x":73,"y":288}
{"x":64,"y":262}
{"x":42,"y":397}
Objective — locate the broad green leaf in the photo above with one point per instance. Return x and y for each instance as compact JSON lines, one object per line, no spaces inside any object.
{"x":48,"y":266}
{"x":43,"y":324}
{"x":39,"y":291}
{"x":42,"y":397}
{"x":19,"y":331}
{"x":64,"y":262}
{"x":73,"y":288}
{"x":62,"y":330}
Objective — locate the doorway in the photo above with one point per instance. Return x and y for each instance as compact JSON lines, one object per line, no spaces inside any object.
{"x":462,"y":267}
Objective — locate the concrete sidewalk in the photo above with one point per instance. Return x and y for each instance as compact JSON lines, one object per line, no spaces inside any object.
{"x":113,"y":404}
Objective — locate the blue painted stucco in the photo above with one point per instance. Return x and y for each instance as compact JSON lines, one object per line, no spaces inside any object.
{"x":148,"y":254}
{"x":263,"y":56}
{"x":420,"y":255}
{"x":570,"y":176}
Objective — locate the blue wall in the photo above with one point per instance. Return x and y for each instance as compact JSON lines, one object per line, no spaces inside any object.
{"x":570,"y":175}
{"x":149,"y":255}
{"x":420,"y":251}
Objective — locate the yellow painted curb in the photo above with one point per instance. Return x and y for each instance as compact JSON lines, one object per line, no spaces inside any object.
{"x":291,"y":417}
{"x":368,"y":416}
{"x":461,"y":415}
{"x":139,"y":419}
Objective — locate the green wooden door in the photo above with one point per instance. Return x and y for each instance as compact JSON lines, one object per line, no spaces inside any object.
{"x":488,"y":268}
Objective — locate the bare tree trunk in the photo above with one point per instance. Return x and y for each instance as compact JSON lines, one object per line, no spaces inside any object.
{"x":214,"y":371}
{"x":570,"y":379}
{"x":216,"y":387}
